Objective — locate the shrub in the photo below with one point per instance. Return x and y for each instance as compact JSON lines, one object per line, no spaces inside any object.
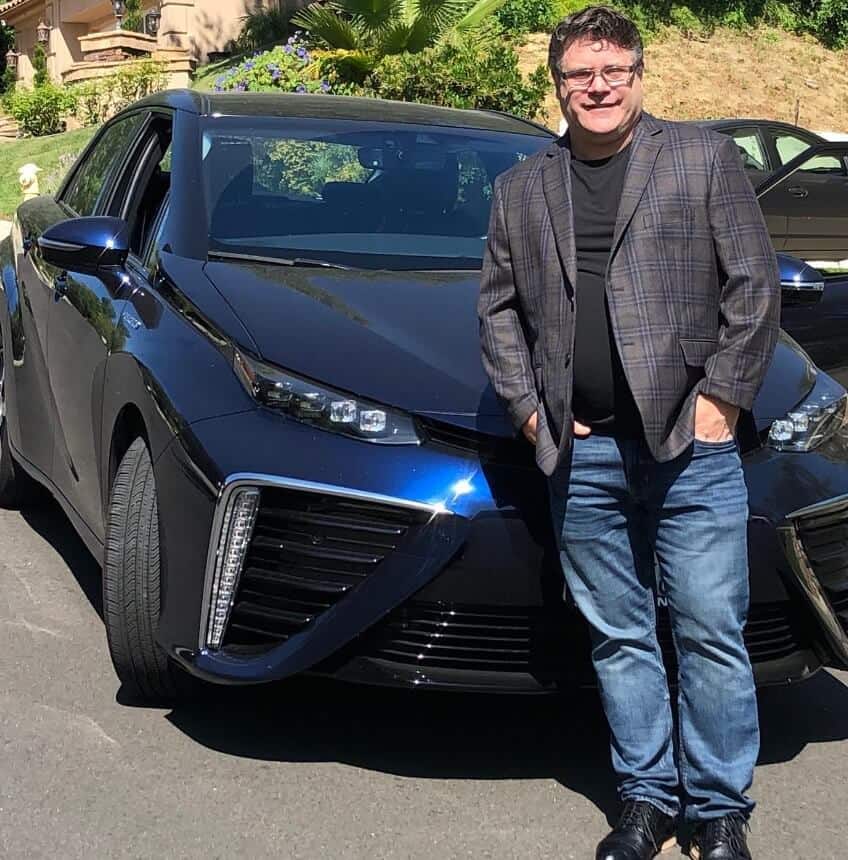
{"x":263,"y":27}
{"x":7,"y":80}
{"x":41,"y":110}
{"x":288,"y":68}
{"x":100,"y":98}
{"x":463,"y":75}
{"x":828,"y":19}
{"x":528,"y":16}
{"x":358,"y":35}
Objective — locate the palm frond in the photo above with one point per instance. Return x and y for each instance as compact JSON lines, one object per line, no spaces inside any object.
{"x":478,"y":13}
{"x":422,"y":35}
{"x":405,"y":38}
{"x":440,"y":13}
{"x":373,"y":15}
{"x":324,"y":25}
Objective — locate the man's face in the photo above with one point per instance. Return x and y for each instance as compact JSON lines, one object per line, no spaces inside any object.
{"x":601,"y":111}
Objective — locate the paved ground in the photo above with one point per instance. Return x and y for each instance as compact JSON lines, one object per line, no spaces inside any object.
{"x":314,"y":770}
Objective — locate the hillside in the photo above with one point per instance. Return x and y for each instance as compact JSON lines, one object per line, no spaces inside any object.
{"x":762,"y":73}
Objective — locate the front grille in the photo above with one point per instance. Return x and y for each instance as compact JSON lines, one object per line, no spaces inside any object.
{"x":449,"y":636}
{"x":839,"y":602}
{"x":825,"y":541}
{"x":541,"y":642}
{"x":307,"y":551}
{"x":497,"y":449}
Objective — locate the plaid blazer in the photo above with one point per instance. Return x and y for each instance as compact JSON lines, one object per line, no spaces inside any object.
{"x":692,"y":286}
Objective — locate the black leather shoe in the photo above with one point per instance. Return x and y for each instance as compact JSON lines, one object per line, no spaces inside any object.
{"x":642,"y":832}
{"x":720,"y":839}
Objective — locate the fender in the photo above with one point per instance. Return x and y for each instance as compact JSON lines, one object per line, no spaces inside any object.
{"x":145,"y":378}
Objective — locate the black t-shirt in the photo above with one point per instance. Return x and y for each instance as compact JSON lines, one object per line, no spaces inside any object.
{"x":601,"y":395}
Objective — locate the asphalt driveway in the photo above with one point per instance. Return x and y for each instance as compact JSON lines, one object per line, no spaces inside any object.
{"x":313,"y":769}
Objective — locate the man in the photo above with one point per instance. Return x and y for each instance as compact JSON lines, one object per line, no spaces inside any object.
{"x":629,"y":309}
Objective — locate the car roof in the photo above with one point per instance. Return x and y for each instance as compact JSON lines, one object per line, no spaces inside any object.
{"x":338,"y":107}
{"x":742,"y":121}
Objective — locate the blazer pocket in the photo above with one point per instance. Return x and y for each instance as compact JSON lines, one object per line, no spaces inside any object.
{"x":696,"y":351}
{"x":537,"y":378}
{"x":676,"y":220}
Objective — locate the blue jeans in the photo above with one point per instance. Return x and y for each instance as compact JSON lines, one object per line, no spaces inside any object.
{"x":621,"y":509}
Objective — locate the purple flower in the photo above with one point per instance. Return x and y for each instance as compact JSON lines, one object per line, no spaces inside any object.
{"x":288,"y":48}
{"x":325,"y":86}
{"x":241,"y":86}
{"x":291,"y":40}
{"x":249,"y":65}
{"x":300,"y":88}
{"x":275,"y":75}
{"x":301,"y":52}
{"x":219,"y":80}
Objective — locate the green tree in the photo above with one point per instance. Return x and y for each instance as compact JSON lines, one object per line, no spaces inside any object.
{"x":39,"y":65}
{"x":133,"y":20}
{"x":358,"y":34}
{"x":7,"y":42}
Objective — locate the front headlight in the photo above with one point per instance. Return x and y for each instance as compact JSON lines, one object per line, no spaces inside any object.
{"x":322,"y":407}
{"x":816,"y":418}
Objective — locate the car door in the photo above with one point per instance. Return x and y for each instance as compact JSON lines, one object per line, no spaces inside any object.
{"x":84,"y":326}
{"x":822,"y":327}
{"x":812,"y":189}
{"x":752,"y":148}
{"x":34,"y":412}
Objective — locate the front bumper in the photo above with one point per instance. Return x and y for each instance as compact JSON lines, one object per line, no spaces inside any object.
{"x":469,"y":595}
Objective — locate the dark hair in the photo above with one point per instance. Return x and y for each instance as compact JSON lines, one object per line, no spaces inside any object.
{"x":599,"y":23}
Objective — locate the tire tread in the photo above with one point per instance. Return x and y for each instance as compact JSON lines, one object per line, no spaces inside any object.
{"x":131,"y":581}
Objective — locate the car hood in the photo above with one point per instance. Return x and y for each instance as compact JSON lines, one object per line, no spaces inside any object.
{"x":406,"y":339}
{"x":410,"y":339}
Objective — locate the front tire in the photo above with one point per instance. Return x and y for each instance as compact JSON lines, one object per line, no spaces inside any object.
{"x":132,"y":582}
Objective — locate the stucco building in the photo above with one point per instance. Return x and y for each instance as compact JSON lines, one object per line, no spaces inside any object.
{"x":81,"y":40}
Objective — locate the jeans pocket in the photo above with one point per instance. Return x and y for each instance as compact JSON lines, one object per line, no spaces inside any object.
{"x":705,"y":445}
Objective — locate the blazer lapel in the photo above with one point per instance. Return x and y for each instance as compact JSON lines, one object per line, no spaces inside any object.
{"x":556,"y":184}
{"x":645,"y":148}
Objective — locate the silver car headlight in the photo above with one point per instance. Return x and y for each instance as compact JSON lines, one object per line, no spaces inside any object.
{"x":816,"y":418}
{"x":323,"y":407}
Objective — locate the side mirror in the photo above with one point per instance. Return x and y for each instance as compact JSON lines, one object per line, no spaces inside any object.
{"x":800,"y":284}
{"x":86,"y":244}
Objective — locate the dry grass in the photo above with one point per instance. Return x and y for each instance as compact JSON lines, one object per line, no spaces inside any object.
{"x":762,"y":73}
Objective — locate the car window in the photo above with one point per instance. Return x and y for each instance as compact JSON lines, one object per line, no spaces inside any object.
{"x":91,"y":177}
{"x":750,"y":148}
{"x":365,"y":194}
{"x":300,"y":169}
{"x":155,"y":245}
{"x":789,"y":146}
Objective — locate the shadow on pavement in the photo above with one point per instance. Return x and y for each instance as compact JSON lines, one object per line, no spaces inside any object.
{"x":418,"y":734}
{"x":441,"y":735}
{"x":813,"y":711}
{"x":457,"y":736}
{"x":50,"y":521}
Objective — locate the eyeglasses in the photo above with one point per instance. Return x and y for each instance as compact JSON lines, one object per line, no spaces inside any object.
{"x":582,"y":79}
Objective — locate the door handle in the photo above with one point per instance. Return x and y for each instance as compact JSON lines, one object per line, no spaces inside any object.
{"x":60,"y":284}
{"x":798,"y":191}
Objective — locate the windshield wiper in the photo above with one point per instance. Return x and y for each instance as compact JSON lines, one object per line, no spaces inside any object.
{"x":304,"y":262}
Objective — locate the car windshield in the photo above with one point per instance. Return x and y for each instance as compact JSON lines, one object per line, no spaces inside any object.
{"x":372,"y":195}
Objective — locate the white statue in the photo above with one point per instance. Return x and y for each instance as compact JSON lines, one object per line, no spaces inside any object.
{"x":28,"y":180}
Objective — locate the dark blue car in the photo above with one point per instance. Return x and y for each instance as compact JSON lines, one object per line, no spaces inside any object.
{"x":240,"y":348}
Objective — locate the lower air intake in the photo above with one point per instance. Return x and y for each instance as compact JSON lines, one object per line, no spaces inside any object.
{"x":308,"y":550}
